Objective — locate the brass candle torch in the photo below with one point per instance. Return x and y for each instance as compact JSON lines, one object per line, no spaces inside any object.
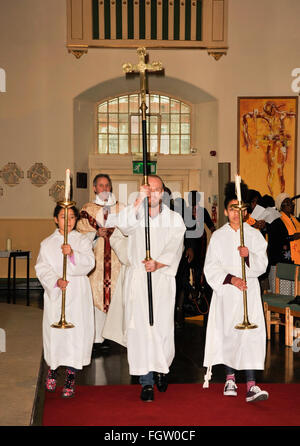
{"x":63,"y":323}
{"x":245,"y":324}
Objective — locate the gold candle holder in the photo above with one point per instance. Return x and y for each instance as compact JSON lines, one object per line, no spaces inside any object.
{"x":66,"y":204}
{"x":245,"y":325}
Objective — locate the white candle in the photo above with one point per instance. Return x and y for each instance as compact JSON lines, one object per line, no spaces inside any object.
{"x":67,"y":185}
{"x":238,"y":187}
{"x":8,"y":244}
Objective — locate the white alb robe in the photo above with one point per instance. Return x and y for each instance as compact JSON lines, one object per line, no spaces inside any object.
{"x":239,"y":349}
{"x":150,"y":348}
{"x":114,"y":327}
{"x":73,"y":346}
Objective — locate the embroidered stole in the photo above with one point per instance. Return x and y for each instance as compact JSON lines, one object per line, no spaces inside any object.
{"x":293,"y":226}
{"x":106,"y":255}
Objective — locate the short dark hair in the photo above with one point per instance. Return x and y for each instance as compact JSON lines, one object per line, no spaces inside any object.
{"x":58,"y":208}
{"x":102,"y":175}
{"x":267,"y":201}
{"x":230,"y":193}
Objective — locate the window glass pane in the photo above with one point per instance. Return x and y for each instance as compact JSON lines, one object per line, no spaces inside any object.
{"x":185,"y":118}
{"x":165,"y":117}
{"x":154,"y":103}
{"x":123,"y":104}
{"x":174,"y":118}
{"x":153,"y":125}
{"x":185,"y":144}
{"x":113,"y":127}
{"x":174,"y":145}
{"x":102,"y":108}
{"x":102,"y":127}
{"x":164,"y":104}
{"x":123,"y":148}
{"x":113,"y":106}
{"x":123,"y":123}
{"x":153,"y":144}
{"x":123,"y":127}
{"x":134,"y":103}
{"x":113,"y":117}
{"x":134,"y":121}
{"x":134,"y":144}
{"x":113,"y":144}
{"x":175,"y":128}
{"x":185,"y":128}
{"x":102,"y":117}
{"x":185,"y":108}
{"x":164,"y":127}
{"x":102,"y":143}
{"x":164,"y":144}
{"x":175,"y":106}
{"x":123,"y":117}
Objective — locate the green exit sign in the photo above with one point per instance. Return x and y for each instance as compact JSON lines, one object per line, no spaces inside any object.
{"x":137,"y":167}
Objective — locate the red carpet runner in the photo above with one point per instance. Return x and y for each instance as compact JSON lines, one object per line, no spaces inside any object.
{"x":181,"y":405}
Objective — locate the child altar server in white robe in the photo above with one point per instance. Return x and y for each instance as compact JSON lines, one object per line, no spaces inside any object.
{"x":150,"y":349}
{"x":69,"y":347}
{"x":236,"y":349}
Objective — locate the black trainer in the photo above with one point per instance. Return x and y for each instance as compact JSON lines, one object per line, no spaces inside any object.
{"x":161,"y":381}
{"x":147,"y":393}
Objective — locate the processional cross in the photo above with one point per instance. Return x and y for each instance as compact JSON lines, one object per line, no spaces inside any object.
{"x":142,"y":68}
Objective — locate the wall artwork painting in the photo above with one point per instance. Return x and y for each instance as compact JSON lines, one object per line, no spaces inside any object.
{"x":267,"y":143}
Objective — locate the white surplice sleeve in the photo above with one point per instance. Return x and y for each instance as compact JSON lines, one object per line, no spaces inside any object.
{"x":46,"y":275}
{"x":83,"y":259}
{"x":119,"y":244}
{"x":172,"y":251}
{"x":214,"y":271}
{"x":127,"y":220}
{"x":258,"y":259}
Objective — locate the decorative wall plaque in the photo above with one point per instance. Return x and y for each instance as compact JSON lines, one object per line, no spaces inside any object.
{"x":38,"y":174}
{"x":11,"y":174}
{"x":57,"y":191}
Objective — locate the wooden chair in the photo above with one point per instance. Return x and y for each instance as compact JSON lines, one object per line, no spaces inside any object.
{"x":276,"y":307}
{"x":293,"y":312}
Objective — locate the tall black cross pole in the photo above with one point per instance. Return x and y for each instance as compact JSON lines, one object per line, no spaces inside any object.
{"x":142,"y":68}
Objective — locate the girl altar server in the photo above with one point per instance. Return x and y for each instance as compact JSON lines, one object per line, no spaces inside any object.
{"x":236,"y":349}
{"x":70,"y":347}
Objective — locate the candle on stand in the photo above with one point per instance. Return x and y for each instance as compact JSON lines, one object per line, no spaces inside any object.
{"x":238,"y":188}
{"x":67,"y":185}
{"x":8,"y":244}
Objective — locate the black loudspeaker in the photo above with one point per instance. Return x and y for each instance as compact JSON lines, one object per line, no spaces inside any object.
{"x":223,"y":177}
{"x":81,"y":180}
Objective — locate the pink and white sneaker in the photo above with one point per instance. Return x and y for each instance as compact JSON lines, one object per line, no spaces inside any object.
{"x":51,"y":380}
{"x":256,"y":394}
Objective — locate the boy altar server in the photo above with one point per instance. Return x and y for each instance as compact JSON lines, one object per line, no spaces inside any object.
{"x":236,"y":349}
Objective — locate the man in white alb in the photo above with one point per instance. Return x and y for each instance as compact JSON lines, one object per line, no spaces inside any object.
{"x":150,"y":349}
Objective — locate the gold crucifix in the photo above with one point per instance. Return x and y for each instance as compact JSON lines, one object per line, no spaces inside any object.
{"x":142,"y":67}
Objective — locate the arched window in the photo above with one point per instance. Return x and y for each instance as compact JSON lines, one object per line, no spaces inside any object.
{"x":119,"y":125}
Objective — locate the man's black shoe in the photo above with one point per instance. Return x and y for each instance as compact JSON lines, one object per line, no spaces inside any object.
{"x":161,"y":382}
{"x":99,"y":348}
{"x":147,"y":393}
